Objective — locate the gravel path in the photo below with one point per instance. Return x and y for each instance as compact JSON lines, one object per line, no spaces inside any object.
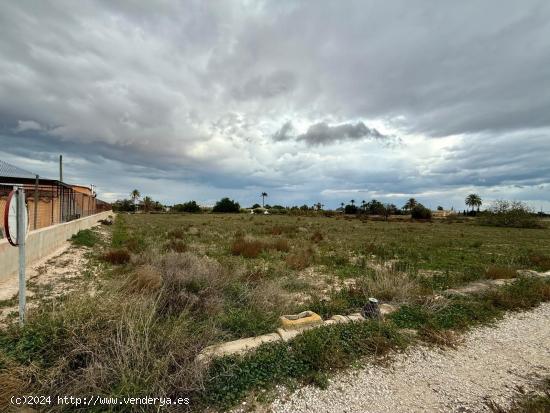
{"x":490,"y":364}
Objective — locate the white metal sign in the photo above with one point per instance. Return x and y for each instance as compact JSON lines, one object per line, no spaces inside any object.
{"x":10,"y":219}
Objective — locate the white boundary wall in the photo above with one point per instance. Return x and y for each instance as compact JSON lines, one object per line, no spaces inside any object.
{"x":42,"y":242}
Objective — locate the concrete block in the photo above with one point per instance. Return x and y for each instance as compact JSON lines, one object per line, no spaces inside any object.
{"x":340,"y":319}
{"x":387,"y":309}
{"x":237,"y":347}
{"x":300,"y":321}
{"x":287,"y":335}
{"x":356,"y":317}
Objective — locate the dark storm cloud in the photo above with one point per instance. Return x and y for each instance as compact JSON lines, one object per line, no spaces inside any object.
{"x":322,"y":133}
{"x":285,"y":133}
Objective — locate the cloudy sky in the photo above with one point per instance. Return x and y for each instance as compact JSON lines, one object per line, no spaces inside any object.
{"x":309,"y":101}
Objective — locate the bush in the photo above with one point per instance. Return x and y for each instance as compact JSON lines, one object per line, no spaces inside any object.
{"x":246,"y":247}
{"x":85,"y":237}
{"x":317,"y":237}
{"x":226,"y":205}
{"x":510,"y":214}
{"x":351,"y":209}
{"x":496,"y":272}
{"x":177,"y":233}
{"x":421,"y":212}
{"x":190,"y":206}
{"x":281,"y":244}
{"x":300,"y":259}
{"x":176,"y":245}
{"x":189,"y":283}
{"x":146,"y":278}
{"x":540,"y":261}
{"x":117,"y":256}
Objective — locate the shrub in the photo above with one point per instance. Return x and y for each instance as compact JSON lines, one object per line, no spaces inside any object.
{"x":117,"y":256}
{"x":351,"y":209}
{"x":300,"y":259}
{"x":177,"y":233}
{"x":189,"y":283}
{"x":246,"y":247}
{"x":317,"y":237}
{"x":510,"y":214}
{"x":421,"y":212}
{"x":85,"y":237}
{"x":386,"y":283}
{"x":176,"y":245}
{"x":190,"y":206}
{"x":496,"y":272}
{"x":281,"y":244}
{"x":248,"y":321}
{"x":540,"y":261}
{"x":145,"y":278}
{"x":226,"y":205}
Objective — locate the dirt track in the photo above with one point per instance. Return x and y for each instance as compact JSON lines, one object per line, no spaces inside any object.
{"x":491,"y":363}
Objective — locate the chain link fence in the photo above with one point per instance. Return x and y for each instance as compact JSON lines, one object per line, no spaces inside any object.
{"x":52,"y":203}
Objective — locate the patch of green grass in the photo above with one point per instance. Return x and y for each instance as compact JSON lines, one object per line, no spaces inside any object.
{"x":248,"y":322}
{"x":462,"y":312}
{"x":308,"y":357}
{"x":8,"y":303}
{"x":85,"y":237}
{"x":39,"y":342}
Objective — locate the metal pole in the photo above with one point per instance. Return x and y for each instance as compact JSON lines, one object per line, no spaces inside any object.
{"x":21,"y":233}
{"x":35,"y":202}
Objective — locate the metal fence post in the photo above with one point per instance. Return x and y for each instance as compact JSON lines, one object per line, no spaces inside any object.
{"x":21,"y":234}
{"x":35,"y":202}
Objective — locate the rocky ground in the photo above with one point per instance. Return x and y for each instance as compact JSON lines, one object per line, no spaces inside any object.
{"x":490,"y":365}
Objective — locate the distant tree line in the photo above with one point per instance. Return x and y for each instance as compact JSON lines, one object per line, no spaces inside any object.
{"x":502,"y":213}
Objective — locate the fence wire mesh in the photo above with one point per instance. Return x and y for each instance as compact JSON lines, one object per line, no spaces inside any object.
{"x":51,"y":203}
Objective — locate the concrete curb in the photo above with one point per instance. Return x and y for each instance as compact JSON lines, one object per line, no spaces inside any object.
{"x":244,"y":345}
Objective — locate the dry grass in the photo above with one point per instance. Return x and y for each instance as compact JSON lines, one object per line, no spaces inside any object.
{"x":388,"y":284}
{"x":145,"y":278}
{"x":495,"y":272}
{"x":541,"y":261}
{"x":247,"y":248}
{"x":281,"y":244}
{"x":176,"y":233}
{"x":317,"y":237}
{"x":190,"y":283}
{"x":252,"y":248}
{"x":445,"y":338}
{"x":176,"y":245}
{"x":117,"y":256}
{"x":301,"y":259}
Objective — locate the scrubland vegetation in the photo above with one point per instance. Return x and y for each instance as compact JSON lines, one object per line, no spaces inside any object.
{"x":169,"y":285}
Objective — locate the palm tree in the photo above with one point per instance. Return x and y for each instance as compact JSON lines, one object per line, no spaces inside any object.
{"x":135,"y":196}
{"x":411,"y":203}
{"x":264,"y":194}
{"x":363,"y":204}
{"x":473,"y":200}
{"x":147,"y":204}
{"x":352,"y":201}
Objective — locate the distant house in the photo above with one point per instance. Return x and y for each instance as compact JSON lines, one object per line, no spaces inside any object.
{"x":56,"y":201}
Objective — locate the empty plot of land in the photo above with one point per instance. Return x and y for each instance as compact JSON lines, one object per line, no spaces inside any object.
{"x":490,"y":365}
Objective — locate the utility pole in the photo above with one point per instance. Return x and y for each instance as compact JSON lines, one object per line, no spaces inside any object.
{"x":21,"y":234}
{"x":35,"y":202}
{"x":60,"y":168}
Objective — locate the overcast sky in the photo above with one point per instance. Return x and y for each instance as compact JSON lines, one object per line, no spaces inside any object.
{"x":317,"y":101}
